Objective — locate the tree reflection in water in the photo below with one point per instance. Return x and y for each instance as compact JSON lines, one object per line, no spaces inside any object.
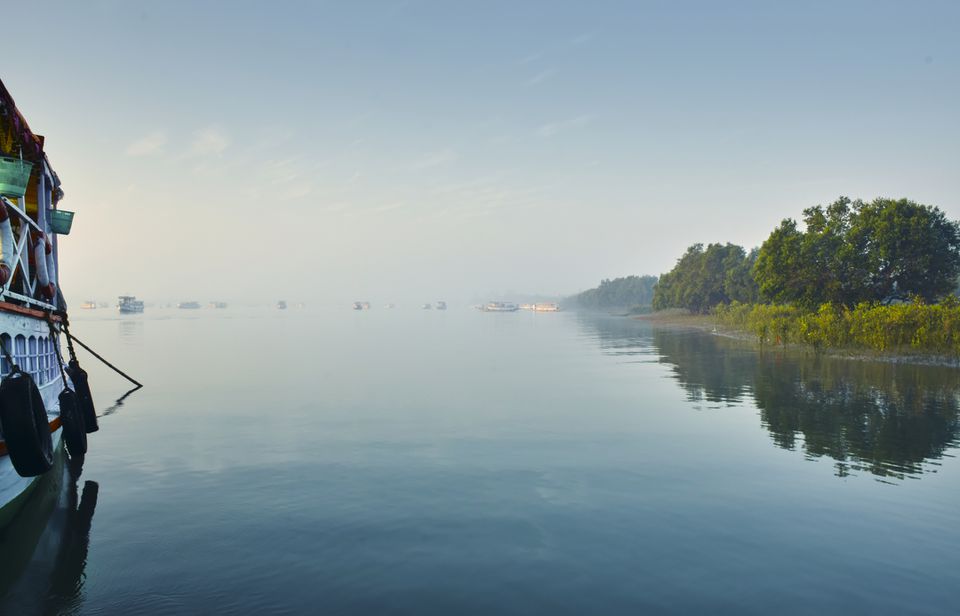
{"x":891,"y":420}
{"x":45,"y":547}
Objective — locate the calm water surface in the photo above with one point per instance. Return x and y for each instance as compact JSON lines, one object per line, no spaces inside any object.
{"x":414,"y":462}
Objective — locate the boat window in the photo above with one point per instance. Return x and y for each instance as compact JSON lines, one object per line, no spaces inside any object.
{"x":32,"y":357}
{"x":44,"y":360}
{"x":4,"y":364}
{"x":52,"y":368}
{"x":54,"y":359}
{"x":41,"y":359}
{"x":20,"y":350}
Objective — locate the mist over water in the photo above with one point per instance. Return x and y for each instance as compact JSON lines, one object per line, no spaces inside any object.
{"x":319,"y":459}
{"x":413,"y":461}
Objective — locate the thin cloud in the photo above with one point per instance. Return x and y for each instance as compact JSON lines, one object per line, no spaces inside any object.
{"x":434,"y":159}
{"x":281,"y":171}
{"x":542,"y":76}
{"x":338,"y":206}
{"x":210,"y":141}
{"x":389,"y":206}
{"x":583,"y":38}
{"x":555,"y":128}
{"x":297,"y":190}
{"x":531,"y":58}
{"x":148,"y":144}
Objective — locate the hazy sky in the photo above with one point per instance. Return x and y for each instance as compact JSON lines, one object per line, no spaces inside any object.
{"x":419,"y":150}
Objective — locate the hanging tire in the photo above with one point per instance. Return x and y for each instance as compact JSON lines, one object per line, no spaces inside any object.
{"x":25,"y":428}
{"x":84,"y":399}
{"x":74,"y":432}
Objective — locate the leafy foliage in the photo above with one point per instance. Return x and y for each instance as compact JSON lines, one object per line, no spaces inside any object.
{"x":853,"y":252}
{"x":703,"y":278}
{"x":904,"y":327}
{"x":619,"y":293}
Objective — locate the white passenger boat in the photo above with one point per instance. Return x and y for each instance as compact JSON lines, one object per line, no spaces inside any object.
{"x":128,"y":304}
{"x":546,"y":307}
{"x":32,"y":309}
{"x":500,"y":307}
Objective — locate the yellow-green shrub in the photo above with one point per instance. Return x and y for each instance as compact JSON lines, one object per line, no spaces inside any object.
{"x":916,"y":326}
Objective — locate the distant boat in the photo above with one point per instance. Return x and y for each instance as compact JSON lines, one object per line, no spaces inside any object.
{"x":281,"y":305}
{"x":361,"y":305}
{"x":89,"y":305}
{"x":390,"y":306}
{"x":188,"y":305}
{"x":220,"y":305}
{"x":547,"y":307}
{"x":500,"y":307}
{"x":129,"y":304}
{"x":527,"y":306}
{"x":441,"y":305}
{"x":427,"y":307}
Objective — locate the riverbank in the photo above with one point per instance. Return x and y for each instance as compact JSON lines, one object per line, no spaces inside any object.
{"x":712,"y":324}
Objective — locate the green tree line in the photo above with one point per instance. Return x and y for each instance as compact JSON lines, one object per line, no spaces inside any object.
{"x":618,"y":293}
{"x":846,"y":254}
{"x":705,"y":277}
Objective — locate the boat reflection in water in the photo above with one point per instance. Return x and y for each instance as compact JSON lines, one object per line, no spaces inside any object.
{"x":45,"y":547}
{"x":891,"y":420}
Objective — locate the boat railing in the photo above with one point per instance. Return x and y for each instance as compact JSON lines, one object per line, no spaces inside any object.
{"x":21,"y":262}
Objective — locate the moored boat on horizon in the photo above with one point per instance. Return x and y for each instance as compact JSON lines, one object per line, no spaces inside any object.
{"x":129,"y":304}
{"x":499,"y":307}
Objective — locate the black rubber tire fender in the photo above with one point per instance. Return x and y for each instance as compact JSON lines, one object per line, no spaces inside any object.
{"x":26,"y":431}
{"x":71,"y":420}
{"x":78,"y":376}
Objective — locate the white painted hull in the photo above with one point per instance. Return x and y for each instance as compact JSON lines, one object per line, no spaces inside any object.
{"x":48,"y":379}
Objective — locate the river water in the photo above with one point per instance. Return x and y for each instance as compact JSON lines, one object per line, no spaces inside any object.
{"x":425,"y":462}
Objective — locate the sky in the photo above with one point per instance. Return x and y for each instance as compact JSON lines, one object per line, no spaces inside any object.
{"x":411,"y":151}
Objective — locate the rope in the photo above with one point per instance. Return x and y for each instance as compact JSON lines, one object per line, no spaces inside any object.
{"x":71,"y":339}
{"x":55,"y":338}
{"x":70,"y":349}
